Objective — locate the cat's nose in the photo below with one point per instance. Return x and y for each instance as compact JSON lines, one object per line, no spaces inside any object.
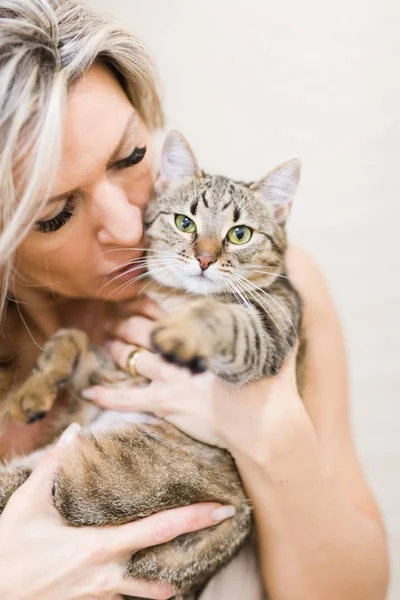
{"x":205,"y":260}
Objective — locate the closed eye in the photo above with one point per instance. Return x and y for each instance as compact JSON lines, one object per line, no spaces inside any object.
{"x":133,"y":159}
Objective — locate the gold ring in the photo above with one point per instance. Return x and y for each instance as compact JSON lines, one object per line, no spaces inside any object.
{"x":131,"y":362}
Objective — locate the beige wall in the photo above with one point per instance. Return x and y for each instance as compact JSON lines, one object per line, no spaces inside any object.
{"x":254,"y":83}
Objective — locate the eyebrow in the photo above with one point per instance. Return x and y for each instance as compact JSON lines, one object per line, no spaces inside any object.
{"x":129,"y":126}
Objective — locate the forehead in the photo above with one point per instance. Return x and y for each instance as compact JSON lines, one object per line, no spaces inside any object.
{"x":221,"y":192}
{"x":217,"y":199}
{"x":96,"y":114}
{"x":216,"y":195}
{"x":216,"y":203}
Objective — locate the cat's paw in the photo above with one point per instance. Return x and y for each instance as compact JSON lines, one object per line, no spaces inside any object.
{"x":32,"y":401}
{"x":182,"y":343}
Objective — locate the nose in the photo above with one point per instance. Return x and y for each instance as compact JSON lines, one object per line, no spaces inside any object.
{"x":205,"y":260}
{"x":120,"y":222}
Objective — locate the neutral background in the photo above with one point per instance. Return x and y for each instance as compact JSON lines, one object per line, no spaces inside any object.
{"x":254,"y":83}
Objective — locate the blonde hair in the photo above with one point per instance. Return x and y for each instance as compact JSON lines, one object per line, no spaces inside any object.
{"x":45,"y":46}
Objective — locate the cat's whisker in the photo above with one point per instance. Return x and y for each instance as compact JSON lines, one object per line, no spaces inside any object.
{"x":238,"y":294}
{"x":227,"y":291}
{"x":267,"y":272}
{"x":173,"y":269}
{"x":256,"y":297}
{"x":146,"y":264}
{"x":164,"y":267}
{"x":134,"y":262}
{"x":123,"y":286}
{"x":142,"y":250}
{"x":260,"y":290}
{"x":135,"y":279}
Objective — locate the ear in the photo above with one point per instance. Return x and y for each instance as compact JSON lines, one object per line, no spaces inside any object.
{"x":278,"y":188}
{"x":177,"y":163}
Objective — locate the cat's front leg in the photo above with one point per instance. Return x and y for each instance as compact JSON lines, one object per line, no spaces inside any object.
{"x":227,"y":339}
{"x":67,"y":358}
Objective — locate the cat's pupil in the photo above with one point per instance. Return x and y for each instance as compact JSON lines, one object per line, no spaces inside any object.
{"x":186,"y":223}
{"x":239,"y":232}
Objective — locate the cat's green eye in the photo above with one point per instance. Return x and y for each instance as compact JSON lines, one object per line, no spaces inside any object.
{"x":240,"y":234}
{"x":185,"y":224}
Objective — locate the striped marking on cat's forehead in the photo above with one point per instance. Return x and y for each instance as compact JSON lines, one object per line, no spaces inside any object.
{"x":220,"y":192}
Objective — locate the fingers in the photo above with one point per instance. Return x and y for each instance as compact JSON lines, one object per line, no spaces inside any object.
{"x":135,"y":330}
{"x":144,"y":589}
{"x":163,"y":527}
{"x":143,"y":306}
{"x":121,"y":351}
{"x":142,"y":399}
{"x":123,"y":399}
{"x":147,"y":363}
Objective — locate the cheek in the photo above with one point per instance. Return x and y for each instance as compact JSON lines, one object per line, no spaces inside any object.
{"x":44,"y":260}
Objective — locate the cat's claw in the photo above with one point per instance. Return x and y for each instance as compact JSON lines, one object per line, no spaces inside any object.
{"x":34,"y":417}
{"x":184,"y":351}
{"x":30,"y":407}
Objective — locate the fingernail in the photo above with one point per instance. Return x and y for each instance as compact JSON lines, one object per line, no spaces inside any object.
{"x":88,"y":393}
{"x":222,"y":513}
{"x":69,"y":435}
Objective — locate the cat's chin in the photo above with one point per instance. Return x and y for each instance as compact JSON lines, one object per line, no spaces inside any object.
{"x":193,"y":284}
{"x":203,"y":286}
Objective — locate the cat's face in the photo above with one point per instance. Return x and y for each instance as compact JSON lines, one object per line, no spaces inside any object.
{"x":208,"y":234}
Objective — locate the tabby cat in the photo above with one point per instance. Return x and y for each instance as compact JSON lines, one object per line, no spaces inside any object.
{"x":216,"y":258}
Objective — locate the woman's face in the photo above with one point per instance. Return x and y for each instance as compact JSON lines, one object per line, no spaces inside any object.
{"x":92,"y":223}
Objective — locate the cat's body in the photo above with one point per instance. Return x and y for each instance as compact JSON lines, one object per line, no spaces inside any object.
{"x":233,"y":312}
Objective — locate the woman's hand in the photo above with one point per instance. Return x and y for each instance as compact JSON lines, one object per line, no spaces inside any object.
{"x":42,"y":557}
{"x":203,"y":406}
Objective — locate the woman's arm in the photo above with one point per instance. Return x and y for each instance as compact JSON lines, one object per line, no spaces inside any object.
{"x":320,"y":533}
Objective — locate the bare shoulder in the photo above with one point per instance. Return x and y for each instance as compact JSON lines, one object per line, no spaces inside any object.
{"x":326,"y":354}
{"x":326,"y":392}
{"x":326,"y":365}
{"x":307,"y":275}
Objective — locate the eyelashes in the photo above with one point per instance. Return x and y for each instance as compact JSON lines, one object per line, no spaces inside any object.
{"x":56,"y":222}
{"x":133,"y":159}
{"x":51,"y":225}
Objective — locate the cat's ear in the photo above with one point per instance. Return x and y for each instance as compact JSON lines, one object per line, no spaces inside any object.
{"x":278,"y":188}
{"x":177,"y":163}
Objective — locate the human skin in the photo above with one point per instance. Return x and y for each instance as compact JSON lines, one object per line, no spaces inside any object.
{"x":320,"y":532}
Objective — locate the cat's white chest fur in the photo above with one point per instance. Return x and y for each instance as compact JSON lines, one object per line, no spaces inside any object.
{"x":169,"y":303}
{"x":110,"y":420}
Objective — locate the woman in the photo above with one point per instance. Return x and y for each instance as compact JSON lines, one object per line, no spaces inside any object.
{"x":78,"y":104}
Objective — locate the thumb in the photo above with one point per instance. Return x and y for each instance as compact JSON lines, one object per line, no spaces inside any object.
{"x":41,"y":480}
